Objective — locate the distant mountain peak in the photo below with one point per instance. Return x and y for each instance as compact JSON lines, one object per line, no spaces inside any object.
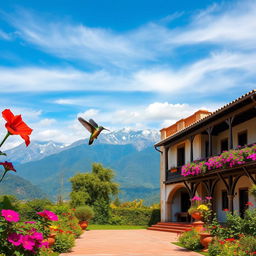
{"x":37,"y":150}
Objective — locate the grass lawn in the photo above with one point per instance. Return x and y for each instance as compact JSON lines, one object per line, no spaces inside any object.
{"x":198,"y":251}
{"x":106,"y":227}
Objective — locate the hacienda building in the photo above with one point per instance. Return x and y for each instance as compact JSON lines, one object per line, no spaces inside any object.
{"x":193,"y":141}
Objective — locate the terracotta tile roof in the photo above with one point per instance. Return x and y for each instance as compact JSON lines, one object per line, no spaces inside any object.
{"x":214,"y":113}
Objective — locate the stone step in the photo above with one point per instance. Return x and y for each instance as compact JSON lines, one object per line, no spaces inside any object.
{"x":170,"y":227}
{"x":174,"y":227}
{"x":166,"y":230}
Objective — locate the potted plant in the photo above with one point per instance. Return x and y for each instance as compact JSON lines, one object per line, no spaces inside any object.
{"x":198,"y":209}
{"x":84,"y":214}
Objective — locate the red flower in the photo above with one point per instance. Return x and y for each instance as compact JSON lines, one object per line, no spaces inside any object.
{"x":221,"y":242}
{"x":230,"y":239}
{"x":7,"y":166}
{"x":249,"y":204}
{"x":16,"y":126}
{"x":225,"y":210}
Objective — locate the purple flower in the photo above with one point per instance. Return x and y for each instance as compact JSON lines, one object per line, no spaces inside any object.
{"x":10,"y":215}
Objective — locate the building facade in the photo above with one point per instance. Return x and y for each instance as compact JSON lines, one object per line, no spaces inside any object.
{"x":197,"y":140}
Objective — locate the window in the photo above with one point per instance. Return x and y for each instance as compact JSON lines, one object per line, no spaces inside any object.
{"x":242,"y":138}
{"x":224,"y":197}
{"x":181,"y":155}
{"x":224,"y":145}
{"x":206,"y":147}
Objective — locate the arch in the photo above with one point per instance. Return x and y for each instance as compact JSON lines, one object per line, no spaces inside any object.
{"x":170,"y":200}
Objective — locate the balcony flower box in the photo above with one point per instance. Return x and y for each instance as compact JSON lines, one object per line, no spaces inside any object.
{"x":173,"y":170}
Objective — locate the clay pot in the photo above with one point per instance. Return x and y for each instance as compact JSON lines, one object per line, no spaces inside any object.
{"x":205,"y":240}
{"x":51,"y":239}
{"x":83,"y":224}
{"x":197,"y":215}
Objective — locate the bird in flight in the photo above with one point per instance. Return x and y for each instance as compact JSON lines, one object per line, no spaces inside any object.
{"x":92,"y":127}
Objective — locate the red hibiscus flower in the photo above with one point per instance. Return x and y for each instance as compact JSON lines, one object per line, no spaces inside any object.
{"x":7,"y":166}
{"x":249,"y":204}
{"x":16,"y":126}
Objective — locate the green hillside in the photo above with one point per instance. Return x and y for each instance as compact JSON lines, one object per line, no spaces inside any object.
{"x":134,"y":169}
{"x":19,"y":187}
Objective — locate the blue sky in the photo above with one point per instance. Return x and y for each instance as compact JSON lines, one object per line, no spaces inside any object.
{"x":138,"y":64}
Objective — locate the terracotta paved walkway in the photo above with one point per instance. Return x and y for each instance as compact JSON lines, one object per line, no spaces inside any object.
{"x":127,"y":243}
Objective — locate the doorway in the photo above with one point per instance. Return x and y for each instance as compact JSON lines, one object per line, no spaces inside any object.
{"x":243,"y":200}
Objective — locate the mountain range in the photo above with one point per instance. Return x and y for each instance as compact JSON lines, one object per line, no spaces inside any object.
{"x":49,"y":165}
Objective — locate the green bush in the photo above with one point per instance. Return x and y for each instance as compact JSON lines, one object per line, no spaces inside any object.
{"x":252,"y":190}
{"x":102,"y":212}
{"x":29,"y":209}
{"x":84,"y":213}
{"x":190,"y":240}
{"x":249,"y":222}
{"x":64,"y":242}
{"x":214,"y":248}
{"x":248,"y":243}
{"x":136,"y":216}
{"x":117,"y":220}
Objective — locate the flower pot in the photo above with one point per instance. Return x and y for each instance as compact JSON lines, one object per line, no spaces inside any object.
{"x":173,"y":170}
{"x":205,"y":240}
{"x":51,"y":239}
{"x":196,"y":215}
{"x":83,"y":224}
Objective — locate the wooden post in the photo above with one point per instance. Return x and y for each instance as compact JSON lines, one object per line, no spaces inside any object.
{"x":209,"y":131}
{"x":229,"y":122}
{"x":191,"y":148}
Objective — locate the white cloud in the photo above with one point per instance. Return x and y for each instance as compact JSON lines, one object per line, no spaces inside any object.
{"x":4,"y":35}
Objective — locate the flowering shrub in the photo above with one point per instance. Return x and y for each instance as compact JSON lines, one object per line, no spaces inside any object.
{"x":19,"y":238}
{"x":227,"y":159}
{"x":190,"y":240}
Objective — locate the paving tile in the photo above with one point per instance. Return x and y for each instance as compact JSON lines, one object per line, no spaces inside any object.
{"x":128,"y":243}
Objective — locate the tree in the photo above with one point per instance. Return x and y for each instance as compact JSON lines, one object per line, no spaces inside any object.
{"x":94,"y":189}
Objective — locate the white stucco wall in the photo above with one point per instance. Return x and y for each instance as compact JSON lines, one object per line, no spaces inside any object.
{"x":243,"y":182}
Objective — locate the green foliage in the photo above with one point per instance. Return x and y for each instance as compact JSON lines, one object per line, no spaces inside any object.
{"x":248,"y":243}
{"x":135,"y":216}
{"x":64,"y":242}
{"x":249,"y":222}
{"x":214,"y":248}
{"x":233,"y":226}
{"x":190,"y":240}
{"x":94,"y":189}
{"x":95,"y":185}
{"x":253,"y":190}
{"x":102,"y":212}
{"x":8,"y":202}
{"x":84,"y":213}
{"x":28,"y":209}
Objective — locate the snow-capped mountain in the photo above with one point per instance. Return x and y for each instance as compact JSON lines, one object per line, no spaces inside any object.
{"x":37,"y":150}
{"x":139,"y":138}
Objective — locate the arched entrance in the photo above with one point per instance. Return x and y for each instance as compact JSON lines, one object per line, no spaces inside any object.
{"x":178,"y":204}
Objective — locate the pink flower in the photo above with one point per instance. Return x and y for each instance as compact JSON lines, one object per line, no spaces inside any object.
{"x":44,"y":244}
{"x":28,"y":243}
{"x":196,"y":198}
{"x":15,"y":239}
{"x":208,"y":198}
{"x":30,"y":222}
{"x":48,"y":215}
{"x":37,"y":236}
{"x":10,"y":215}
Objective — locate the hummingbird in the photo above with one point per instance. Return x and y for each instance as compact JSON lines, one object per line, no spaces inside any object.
{"x":92,"y":127}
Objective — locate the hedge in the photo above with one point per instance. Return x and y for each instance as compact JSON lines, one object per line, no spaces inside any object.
{"x":135,"y":216}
